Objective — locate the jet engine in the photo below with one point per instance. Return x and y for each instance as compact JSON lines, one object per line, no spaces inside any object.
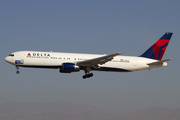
{"x":69,"y":67}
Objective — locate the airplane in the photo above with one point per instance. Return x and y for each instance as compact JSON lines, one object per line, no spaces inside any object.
{"x":74,"y":62}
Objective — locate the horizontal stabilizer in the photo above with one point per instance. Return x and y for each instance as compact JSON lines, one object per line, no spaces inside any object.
{"x":159,"y":62}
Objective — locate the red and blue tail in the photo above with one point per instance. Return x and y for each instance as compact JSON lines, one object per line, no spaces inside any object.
{"x":157,"y":50}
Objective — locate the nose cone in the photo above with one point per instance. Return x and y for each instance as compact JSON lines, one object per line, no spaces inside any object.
{"x":7,"y":59}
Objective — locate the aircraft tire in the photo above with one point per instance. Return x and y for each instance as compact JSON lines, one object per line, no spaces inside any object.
{"x":87,"y":75}
{"x":91,"y":74}
{"x":84,"y":76}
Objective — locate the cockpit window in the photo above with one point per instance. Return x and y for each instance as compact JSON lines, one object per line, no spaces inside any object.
{"x":11,"y":55}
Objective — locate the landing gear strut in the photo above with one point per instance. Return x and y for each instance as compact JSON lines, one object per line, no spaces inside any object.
{"x":87,"y":74}
{"x":17,"y":70}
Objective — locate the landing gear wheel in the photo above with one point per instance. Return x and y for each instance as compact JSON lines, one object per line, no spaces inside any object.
{"x":87,"y":75}
{"x":17,"y":67}
{"x":84,"y":76}
{"x":91,"y":74}
{"x":17,"y":72}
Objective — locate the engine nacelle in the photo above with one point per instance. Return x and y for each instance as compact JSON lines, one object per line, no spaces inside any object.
{"x":69,"y":67}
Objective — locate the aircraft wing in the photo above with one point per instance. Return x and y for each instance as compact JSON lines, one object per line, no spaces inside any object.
{"x":96,"y":61}
{"x":159,"y":62}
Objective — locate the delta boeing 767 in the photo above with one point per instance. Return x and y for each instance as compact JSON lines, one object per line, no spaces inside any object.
{"x":74,"y":62}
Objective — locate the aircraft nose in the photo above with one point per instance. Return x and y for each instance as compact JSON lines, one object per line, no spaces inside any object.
{"x":7,"y":59}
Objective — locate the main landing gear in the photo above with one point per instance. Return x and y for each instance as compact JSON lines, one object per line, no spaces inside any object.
{"x":17,"y":70}
{"x":87,"y":75}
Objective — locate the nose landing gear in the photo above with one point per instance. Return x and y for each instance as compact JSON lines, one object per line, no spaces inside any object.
{"x":17,"y":70}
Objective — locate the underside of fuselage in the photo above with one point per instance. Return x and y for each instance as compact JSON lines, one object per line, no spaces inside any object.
{"x":107,"y":69}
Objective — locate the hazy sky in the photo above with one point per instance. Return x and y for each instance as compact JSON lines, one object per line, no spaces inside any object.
{"x":95,"y":26}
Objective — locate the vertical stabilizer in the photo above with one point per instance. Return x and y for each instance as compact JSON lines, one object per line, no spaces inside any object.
{"x":156,"y":51}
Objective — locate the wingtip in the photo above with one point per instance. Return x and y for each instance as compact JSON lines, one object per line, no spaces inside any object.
{"x":118,"y":53}
{"x":170,"y":59}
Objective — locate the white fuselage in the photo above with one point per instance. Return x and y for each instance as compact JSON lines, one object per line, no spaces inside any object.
{"x":55,"y":60}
